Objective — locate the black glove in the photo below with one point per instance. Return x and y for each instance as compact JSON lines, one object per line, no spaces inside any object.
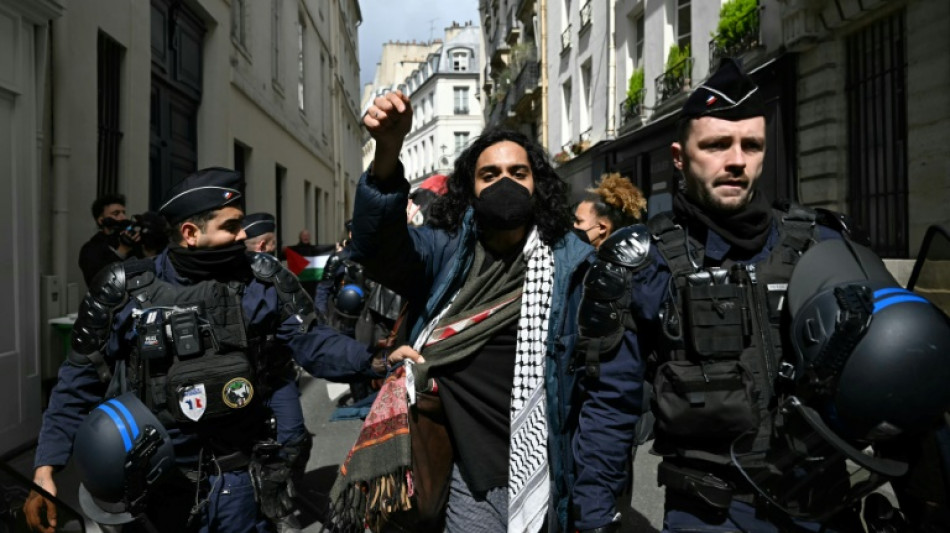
{"x":271,"y":477}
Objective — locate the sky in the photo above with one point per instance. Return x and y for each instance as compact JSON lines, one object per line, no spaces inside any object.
{"x":405,"y":20}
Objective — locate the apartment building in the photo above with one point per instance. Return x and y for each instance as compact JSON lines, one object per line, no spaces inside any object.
{"x":125,"y":96}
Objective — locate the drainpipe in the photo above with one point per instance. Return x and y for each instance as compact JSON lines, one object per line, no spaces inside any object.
{"x":611,"y":38}
{"x":543,"y":23}
{"x":60,"y":150}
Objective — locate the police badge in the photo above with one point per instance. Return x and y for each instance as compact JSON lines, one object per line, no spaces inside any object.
{"x":193,"y":401}
{"x":237,"y":393}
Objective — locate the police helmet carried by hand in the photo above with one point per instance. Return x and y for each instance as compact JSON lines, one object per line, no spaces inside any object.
{"x":879,"y":354}
{"x":121,"y":449}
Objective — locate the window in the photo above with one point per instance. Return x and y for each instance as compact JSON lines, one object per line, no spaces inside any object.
{"x":461,"y":141}
{"x":110,"y":133}
{"x":585,"y":15}
{"x":876,"y":89}
{"x":239,"y":23}
{"x":586,"y":95}
{"x":684,"y":23}
{"x":460,"y":61}
{"x":461,"y":100}
{"x":638,"y":40}
{"x":301,"y":74}
{"x":275,"y":35}
{"x":566,"y":112}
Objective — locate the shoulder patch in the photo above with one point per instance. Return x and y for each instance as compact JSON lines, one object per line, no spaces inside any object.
{"x":629,"y":246}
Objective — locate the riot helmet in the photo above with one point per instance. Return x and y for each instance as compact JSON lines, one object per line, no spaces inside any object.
{"x":350,"y":300}
{"x":870,"y":354}
{"x":121,"y":450}
{"x":868,"y":362}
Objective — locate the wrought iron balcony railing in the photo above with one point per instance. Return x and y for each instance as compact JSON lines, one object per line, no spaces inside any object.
{"x":566,"y":38}
{"x":734,"y":42}
{"x":585,"y":14}
{"x":633,"y":109}
{"x":675,"y":80}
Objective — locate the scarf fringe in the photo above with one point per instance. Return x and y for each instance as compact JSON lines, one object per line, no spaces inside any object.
{"x":368,"y":504}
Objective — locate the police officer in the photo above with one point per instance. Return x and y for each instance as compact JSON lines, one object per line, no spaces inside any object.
{"x":196,"y":333}
{"x":698,"y":292}
{"x":291,"y":431}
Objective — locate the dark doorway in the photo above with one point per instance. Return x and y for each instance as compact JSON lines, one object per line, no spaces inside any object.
{"x":177,"y":35}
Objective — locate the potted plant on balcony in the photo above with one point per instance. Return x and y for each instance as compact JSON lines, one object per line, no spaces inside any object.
{"x":676,"y":78}
{"x":738,"y":25}
{"x":562,"y":157}
{"x":634,"y":102}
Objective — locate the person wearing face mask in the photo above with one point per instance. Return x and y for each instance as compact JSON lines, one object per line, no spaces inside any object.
{"x":112,"y":242}
{"x":492,"y":283}
{"x":290,"y":430}
{"x":201,"y":335}
{"x":614,"y":203}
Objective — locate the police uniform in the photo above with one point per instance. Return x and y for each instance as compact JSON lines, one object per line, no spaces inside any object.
{"x":108,"y":345}
{"x":699,"y":315}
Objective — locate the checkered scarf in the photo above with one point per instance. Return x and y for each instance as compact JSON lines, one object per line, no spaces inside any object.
{"x":528,"y":474}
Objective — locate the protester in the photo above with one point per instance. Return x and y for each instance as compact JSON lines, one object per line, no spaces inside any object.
{"x":492,"y":283}
{"x":233,"y":320}
{"x":113,"y":242}
{"x":614,"y":203}
{"x":696,"y":304}
{"x":308,"y":261}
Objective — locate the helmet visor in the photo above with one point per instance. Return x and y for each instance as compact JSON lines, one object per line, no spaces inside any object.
{"x":809,"y":472}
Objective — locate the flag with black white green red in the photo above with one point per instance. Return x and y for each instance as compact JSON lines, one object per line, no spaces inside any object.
{"x":306,"y":268}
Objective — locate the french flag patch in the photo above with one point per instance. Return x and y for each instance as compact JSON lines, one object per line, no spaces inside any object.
{"x":711,"y":99}
{"x":228,"y":194}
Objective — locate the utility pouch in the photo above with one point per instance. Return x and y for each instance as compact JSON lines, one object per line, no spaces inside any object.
{"x":709,"y":403}
{"x":209,"y":387}
{"x":714,"y":315}
{"x":695,"y":483}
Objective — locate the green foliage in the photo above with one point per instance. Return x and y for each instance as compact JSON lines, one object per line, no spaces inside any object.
{"x":737,"y":19}
{"x":520,"y":54}
{"x":675,"y":64}
{"x":635,"y":87}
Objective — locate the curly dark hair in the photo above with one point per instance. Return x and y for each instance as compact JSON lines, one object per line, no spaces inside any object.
{"x":552,"y":213}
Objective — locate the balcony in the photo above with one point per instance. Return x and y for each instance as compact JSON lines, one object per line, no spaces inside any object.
{"x":632,"y":111}
{"x":566,"y":38}
{"x":527,"y":81}
{"x":677,"y":79}
{"x":585,"y":15}
{"x":741,"y":37}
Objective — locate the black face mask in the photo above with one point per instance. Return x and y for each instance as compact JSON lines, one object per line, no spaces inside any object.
{"x":503,"y":206}
{"x":582,"y":235}
{"x":222,"y":263}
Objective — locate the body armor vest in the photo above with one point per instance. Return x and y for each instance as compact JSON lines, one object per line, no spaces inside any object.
{"x":719,"y":355}
{"x":194,"y":358}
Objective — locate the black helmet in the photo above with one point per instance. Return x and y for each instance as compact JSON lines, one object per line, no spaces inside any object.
{"x":349,"y":300}
{"x":875,"y":352}
{"x":120,"y":450}
{"x":869,"y":362}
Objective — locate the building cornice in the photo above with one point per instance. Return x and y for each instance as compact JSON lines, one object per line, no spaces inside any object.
{"x":38,"y":11}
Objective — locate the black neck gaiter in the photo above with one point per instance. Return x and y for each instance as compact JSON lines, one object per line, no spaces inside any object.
{"x":746,"y":230}
{"x":223,"y":263}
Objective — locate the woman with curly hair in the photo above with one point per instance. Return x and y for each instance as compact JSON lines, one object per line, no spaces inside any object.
{"x":614,"y":203}
{"x":493,"y":281}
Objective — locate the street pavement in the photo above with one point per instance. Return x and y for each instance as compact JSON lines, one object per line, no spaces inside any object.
{"x":332,"y":441}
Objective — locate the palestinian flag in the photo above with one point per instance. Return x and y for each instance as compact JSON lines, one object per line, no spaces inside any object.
{"x":306,"y":268}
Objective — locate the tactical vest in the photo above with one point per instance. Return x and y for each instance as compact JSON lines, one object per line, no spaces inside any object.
{"x":194,"y":360}
{"x":719,"y":357}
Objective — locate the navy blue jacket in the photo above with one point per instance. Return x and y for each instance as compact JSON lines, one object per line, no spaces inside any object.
{"x":427,"y":266}
{"x":617,"y":396}
{"x":322,"y":351}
